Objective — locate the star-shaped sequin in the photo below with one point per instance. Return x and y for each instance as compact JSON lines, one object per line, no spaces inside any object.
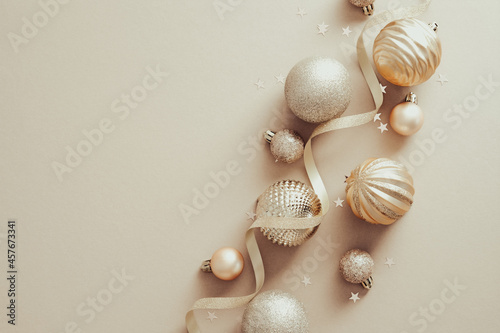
{"x":339,"y":202}
{"x":382,"y":88}
{"x":442,"y":79}
{"x":306,"y":281}
{"x":346,"y":31}
{"x":211,"y":316}
{"x":354,"y":297}
{"x":382,"y":127}
{"x":377,"y":117}
{"x":389,"y":262}
{"x":280,"y":78}
{"x":301,"y":12}
{"x":260,"y":84}
{"x":251,"y":215}
{"x":323,"y":28}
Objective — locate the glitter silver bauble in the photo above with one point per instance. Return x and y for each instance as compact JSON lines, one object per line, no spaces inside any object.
{"x":380,"y":191}
{"x":318,"y":89}
{"x":288,"y":198}
{"x":356,"y":266}
{"x":286,"y":145}
{"x":275,"y":311}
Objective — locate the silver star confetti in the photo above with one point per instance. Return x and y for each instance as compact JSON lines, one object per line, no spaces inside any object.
{"x":211,"y":316}
{"x":301,"y":12}
{"x":306,"y":281}
{"x":323,"y":28}
{"x":377,"y":117}
{"x":346,"y":31}
{"x":442,"y":79}
{"x":339,"y":202}
{"x":389,"y":262}
{"x":259,"y":84}
{"x":354,"y":297}
{"x":382,"y":127}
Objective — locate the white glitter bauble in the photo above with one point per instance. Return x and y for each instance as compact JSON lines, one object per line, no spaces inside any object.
{"x":318,"y":89}
{"x":288,"y":198}
{"x":275,"y":311}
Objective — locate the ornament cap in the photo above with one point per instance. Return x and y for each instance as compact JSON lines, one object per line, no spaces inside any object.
{"x":368,"y":283}
{"x":206,"y":266}
{"x":368,"y":10}
{"x":412,"y":98}
{"x":269,"y":135}
{"x":434,"y":26}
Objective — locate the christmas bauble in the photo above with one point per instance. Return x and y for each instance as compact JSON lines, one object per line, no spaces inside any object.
{"x":275,"y":311}
{"x":288,"y":198}
{"x":318,"y":89}
{"x":407,"y":52}
{"x":407,"y":118}
{"x":380,"y":191}
{"x":286,"y":145}
{"x":356,"y":266}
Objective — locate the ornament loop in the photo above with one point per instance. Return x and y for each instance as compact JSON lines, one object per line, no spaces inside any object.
{"x":269,"y":135}
{"x":206,"y":267}
{"x":412,"y":98}
{"x":368,"y":283}
{"x":368,"y":10}
{"x":434,"y":26}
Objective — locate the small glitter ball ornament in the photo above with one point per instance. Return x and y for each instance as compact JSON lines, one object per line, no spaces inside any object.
{"x":275,"y":311}
{"x":407,"y":52}
{"x":380,"y":191}
{"x":288,"y":198}
{"x":366,"y":5}
{"x":286,"y":145}
{"x":356,"y":266}
{"x":318,"y":89}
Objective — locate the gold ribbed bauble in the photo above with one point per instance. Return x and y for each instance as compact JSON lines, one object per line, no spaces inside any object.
{"x":407,"y":52}
{"x":380,"y":191}
{"x":288,"y":198}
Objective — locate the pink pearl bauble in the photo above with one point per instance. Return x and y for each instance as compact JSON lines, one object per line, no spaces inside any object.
{"x":406,"y":118}
{"x":227,"y":263}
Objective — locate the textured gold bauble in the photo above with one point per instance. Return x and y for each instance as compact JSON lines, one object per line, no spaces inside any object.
{"x":407,"y":52}
{"x":380,"y":191}
{"x":318,"y":89}
{"x":275,"y":311}
{"x":288,"y":198}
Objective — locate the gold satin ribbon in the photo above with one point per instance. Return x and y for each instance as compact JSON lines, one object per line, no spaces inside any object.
{"x":221,"y":303}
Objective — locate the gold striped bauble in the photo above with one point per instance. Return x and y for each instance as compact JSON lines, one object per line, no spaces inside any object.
{"x":380,"y":191}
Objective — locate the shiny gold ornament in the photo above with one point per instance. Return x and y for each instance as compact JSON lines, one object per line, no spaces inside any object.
{"x":380,"y":191}
{"x":288,"y":198}
{"x":407,"y":52}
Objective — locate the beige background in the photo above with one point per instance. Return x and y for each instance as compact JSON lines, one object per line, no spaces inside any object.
{"x":119,"y":210}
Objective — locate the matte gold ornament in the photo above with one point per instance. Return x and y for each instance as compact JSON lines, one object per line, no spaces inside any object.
{"x":380,"y":191}
{"x":275,"y":311}
{"x":407,"y":52}
{"x":407,"y":118}
{"x":318,"y":89}
{"x":366,"y":5}
{"x":288,"y":198}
